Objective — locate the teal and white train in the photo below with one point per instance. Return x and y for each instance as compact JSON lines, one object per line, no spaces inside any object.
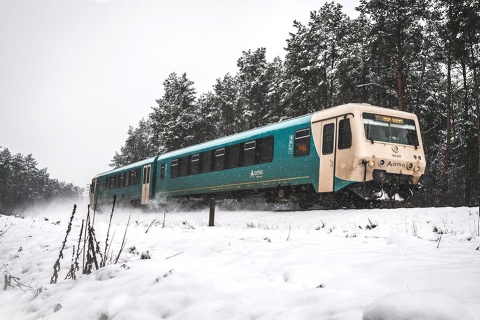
{"x":349,"y":153}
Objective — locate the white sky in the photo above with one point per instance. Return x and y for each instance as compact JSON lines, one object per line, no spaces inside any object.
{"x":75,"y":74}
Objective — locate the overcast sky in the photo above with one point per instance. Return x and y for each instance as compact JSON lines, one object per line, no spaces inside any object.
{"x":74,"y":75}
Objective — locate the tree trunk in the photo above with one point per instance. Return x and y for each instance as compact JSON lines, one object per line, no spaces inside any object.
{"x":446,"y":160}
{"x":467,"y":146}
{"x":476,"y":95}
{"x":401,"y":99}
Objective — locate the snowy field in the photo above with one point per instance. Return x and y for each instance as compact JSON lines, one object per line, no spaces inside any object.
{"x":344,"y":264}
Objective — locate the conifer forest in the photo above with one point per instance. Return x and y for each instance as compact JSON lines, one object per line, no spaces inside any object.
{"x":419,"y":56}
{"x":23,"y":184}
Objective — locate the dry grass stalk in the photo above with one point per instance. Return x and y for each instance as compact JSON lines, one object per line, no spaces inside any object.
{"x":56,"y":267}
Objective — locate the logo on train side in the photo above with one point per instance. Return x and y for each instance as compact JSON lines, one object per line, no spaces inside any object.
{"x":290,"y":144}
{"x":395,"y":164}
{"x":256,"y":174}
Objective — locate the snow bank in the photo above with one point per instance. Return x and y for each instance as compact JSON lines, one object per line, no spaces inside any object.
{"x":416,"y":306}
{"x":342,"y":265}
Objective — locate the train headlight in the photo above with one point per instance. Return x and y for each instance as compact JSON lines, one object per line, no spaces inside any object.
{"x":381,"y":163}
{"x":409,"y":166}
{"x":371,"y":163}
{"x":416,"y":169}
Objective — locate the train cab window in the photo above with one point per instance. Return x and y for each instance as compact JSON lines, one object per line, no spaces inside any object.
{"x":233,"y":156}
{"x":162,"y":171}
{"x":302,"y":143}
{"x":104,"y":184}
{"x":328,"y":135}
{"x":206,"y":161}
{"x":174,"y":168}
{"x":344,"y":134}
{"x":219,"y":159}
{"x":195,"y":163}
{"x":264,"y":150}
{"x":249,"y":153}
{"x":390,"y":129}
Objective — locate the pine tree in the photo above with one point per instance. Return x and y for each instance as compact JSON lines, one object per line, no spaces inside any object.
{"x":139,"y":145}
{"x":396,"y":26}
{"x":314,"y":56}
{"x":207,"y":119}
{"x":172,"y":119}
{"x":227,"y":97}
{"x":253,"y":83}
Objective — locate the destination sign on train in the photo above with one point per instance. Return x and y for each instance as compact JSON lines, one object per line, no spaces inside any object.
{"x":388,"y":119}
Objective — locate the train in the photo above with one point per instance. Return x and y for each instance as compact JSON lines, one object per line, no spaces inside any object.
{"x":352,"y":154}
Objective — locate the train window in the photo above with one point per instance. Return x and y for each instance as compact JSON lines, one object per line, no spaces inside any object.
{"x":104,"y":184}
{"x":132,"y":177}
{"x":344,"y":134}
{"x":184,"y":164}
{"x":233,"y":156}
{"x":127,"y":180}
{"x":206,"y":161}
{"x":249,"y":153}
{"x":137,"y":176}
{"x":219,"y":159}
{"x":162,"y":171}
{"x":302,"y":143}
{"x":328,"y":135}
{"x":122,"y":179}
{"x":264,"y":150}
{"x":195,"y":163}
{"x":174,"y":168}
{"x":146,"y":175}
{"x":389,"y":129}
{"x":112,"y":182}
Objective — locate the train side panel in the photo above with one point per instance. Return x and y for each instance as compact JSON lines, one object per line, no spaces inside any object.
{"x":285,"y":168}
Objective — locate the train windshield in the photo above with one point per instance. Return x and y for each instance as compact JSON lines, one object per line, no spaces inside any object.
{"x":389,"y":129}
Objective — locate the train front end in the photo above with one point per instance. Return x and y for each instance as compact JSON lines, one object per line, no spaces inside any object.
{"x":389,"y":155}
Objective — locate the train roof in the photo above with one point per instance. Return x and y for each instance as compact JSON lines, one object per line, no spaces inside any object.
{"x":241,"y":136}
{"x":245,"y":135}
{"x":128,"y":167}
{"x":356,"y":108}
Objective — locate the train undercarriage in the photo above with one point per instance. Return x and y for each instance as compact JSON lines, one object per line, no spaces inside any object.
{"x":397,"y":192}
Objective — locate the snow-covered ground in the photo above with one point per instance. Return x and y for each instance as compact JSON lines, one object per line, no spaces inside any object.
{"x":344,"y":264}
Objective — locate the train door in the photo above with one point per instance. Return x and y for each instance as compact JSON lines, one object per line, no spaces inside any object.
{"x":327,"y":155}
{"x":146,"y":184}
